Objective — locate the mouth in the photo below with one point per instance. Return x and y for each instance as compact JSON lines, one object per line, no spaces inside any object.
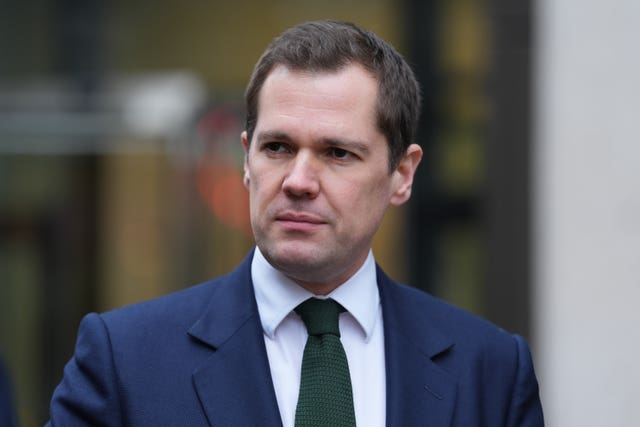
{"x":299,"y":217}
{"x":299,"y":221}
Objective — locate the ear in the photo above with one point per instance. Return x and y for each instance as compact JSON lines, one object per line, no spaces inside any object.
{"x":245,"y":146}
{"x":402,"y":178}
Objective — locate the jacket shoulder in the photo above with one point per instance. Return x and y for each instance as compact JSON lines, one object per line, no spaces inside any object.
{"x":426,"y":319}
{"x":180,"y":308}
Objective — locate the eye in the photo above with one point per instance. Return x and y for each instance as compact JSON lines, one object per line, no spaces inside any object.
{"x":340,"y":153}
{"x":276,"y":147}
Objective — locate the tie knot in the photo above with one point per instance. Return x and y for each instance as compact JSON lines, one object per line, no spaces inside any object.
{"x":320,"y":316}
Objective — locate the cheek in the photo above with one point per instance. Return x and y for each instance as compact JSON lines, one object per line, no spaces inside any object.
{"x":366,"y":196}
{"x":263,"y":188}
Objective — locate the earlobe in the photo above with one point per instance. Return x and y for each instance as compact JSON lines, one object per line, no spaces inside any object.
{"x":245,"y":146}
{"x":403,"y":175}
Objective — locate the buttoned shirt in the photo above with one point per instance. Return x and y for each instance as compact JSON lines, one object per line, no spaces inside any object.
{"x":361,"y":330}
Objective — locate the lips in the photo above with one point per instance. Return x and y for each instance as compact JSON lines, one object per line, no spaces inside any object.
{"x":299,"y":222}
{"x":301,"y":217}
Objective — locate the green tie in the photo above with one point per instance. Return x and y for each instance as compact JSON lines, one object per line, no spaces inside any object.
{"x":325,"y":385}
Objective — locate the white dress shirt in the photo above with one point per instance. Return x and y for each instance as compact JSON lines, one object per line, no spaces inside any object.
{"x":361,"y":333}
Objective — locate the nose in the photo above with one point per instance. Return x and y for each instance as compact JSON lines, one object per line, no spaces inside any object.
{"x":302,"y":180}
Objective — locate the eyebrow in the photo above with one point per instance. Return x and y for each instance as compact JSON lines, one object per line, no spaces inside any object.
{"x":347,"y":144}
{"x":273,"y":134}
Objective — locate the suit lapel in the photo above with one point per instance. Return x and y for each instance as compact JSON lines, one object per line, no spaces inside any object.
{"x":419,"y":392}
{"x":234,"y":385}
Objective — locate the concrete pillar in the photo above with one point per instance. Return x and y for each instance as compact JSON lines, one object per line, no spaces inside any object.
{"x":587,"y":215}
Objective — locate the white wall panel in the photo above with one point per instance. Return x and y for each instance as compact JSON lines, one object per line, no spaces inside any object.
{"x":587,"y":211}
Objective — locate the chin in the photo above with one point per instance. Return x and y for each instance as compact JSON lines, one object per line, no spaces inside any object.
{"x":295,"y":259}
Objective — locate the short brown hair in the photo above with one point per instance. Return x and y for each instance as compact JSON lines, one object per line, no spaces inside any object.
{"x":326,"y":46}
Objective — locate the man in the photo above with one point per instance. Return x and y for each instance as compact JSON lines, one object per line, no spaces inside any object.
{"x":331,"y":115}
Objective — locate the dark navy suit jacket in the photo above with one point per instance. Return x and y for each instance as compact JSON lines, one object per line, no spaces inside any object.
{"x":197,"y":358}
{"x":7,"y":411}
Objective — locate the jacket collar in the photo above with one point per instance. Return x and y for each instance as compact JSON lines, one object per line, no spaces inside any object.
{"x":417,"y":388}
{"x":234,"y":385}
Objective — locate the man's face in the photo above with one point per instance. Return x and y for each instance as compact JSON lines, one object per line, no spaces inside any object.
{"x":317,"y":170}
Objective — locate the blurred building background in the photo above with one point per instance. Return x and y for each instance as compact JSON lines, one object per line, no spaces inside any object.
{"x":120,"y":172}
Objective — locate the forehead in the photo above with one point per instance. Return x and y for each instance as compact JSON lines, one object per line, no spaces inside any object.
{"x":346,"y":95}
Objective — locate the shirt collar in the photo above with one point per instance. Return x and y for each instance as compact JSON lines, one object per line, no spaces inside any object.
{"x":277,"y":295}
